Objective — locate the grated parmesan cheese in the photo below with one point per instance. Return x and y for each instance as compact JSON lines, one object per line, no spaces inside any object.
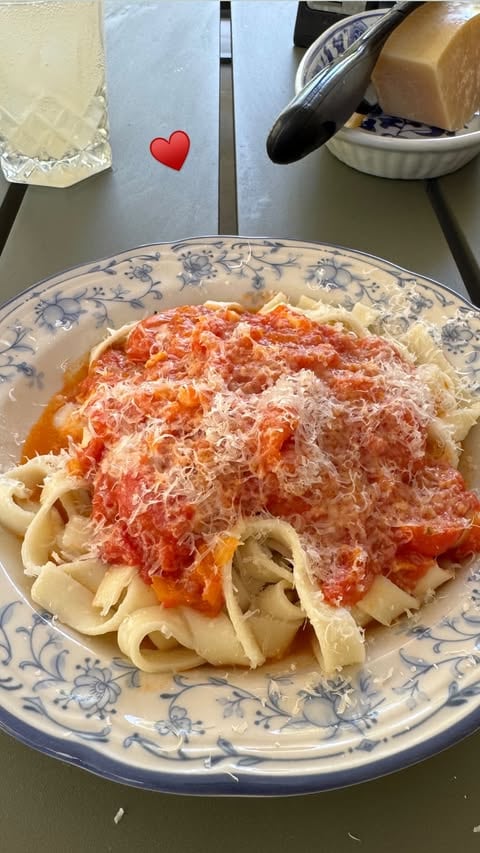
{"x":353,"y":837}
{"x":201,"y":416}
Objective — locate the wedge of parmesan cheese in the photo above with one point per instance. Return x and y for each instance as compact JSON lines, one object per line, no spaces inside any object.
{"x":429,"y":68}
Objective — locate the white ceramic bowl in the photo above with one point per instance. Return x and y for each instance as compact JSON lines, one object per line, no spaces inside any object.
{"x":384,"y":145}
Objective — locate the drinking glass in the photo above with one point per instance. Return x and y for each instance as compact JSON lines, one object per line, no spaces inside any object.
{"x":53,"y":110}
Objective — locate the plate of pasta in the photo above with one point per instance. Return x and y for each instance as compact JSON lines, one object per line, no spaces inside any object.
{"x":240,"y":514}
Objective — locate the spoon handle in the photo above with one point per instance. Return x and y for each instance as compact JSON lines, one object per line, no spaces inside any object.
{"x":329,"y":99}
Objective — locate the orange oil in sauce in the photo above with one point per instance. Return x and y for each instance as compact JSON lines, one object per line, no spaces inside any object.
{"x":45,"y":436}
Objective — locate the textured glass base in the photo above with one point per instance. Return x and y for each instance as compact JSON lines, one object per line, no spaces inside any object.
{"x":53,"y":147}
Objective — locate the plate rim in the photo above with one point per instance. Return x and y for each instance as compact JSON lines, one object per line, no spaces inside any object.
{"x":237,"y":237}
{"x":250,"y":783}
{"x":218,"y":784}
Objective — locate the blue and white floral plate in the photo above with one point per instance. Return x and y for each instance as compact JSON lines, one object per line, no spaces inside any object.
{"x":284,"y":729}
{"x":384,"y":145}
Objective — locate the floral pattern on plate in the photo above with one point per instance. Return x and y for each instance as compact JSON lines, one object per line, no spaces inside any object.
{"x":285,"y":728}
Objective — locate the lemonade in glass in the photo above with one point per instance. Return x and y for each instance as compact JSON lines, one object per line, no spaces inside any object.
{"x":53,"y":111}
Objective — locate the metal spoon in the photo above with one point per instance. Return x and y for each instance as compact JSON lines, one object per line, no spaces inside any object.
{"x":329,"y":99}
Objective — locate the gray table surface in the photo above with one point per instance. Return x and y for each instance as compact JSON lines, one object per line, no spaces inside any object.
{"x":152,"y":91}
{"x":48,"y":805}
{"x":460,"y":192}
{"x":318,"y":198}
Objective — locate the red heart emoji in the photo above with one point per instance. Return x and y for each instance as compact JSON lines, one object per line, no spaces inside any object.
{"x":171,"y":152}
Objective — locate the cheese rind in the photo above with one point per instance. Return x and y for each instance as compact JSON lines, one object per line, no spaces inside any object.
{"x":429,"y":68}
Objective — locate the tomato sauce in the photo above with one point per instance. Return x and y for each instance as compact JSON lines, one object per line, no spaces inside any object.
{"x":205,"y":415}
{"x":46,"y":435}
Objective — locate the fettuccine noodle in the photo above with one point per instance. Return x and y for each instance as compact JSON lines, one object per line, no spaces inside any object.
{"x":222,"y":480}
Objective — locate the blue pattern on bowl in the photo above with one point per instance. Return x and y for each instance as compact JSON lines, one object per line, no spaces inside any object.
{"x":330,"y":47}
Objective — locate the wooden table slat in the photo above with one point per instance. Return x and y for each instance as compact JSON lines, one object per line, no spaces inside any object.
{"x":460,"y":192}
{"x":169,"y":54}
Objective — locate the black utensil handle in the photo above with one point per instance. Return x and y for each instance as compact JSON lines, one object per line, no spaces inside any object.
{"x":330,"y":98}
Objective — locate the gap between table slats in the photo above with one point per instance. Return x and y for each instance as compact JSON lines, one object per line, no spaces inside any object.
{"x":461,"y":251}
